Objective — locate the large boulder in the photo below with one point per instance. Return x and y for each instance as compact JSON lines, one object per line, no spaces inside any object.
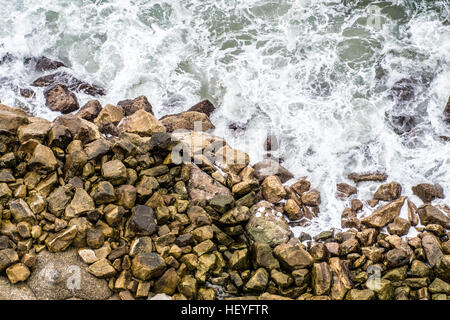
{"x":79,"y":128}
{"x":267,"y":225}
{"x":43,"y":158}
{"x":63,"y":275}
{"x":59,"y":98}
{"x":142,"y":123}
{"x":189,"y":120}
{"x":109,"y":114}
{"x":37,"y":130}
{"x":205,"y":107}
{"x":385,"y":214}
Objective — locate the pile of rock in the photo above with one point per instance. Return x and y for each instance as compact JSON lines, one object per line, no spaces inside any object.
{"x":146,"y":224}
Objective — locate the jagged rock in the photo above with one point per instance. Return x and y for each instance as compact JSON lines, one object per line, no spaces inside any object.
{"x":114,"y":171}
{"x":90,"y":110}
{"x":388,"y":192}
{"x":62,"y":275}
{"x":46,"y":64}
{"x":61,"y":241}
{"x":187,"y":120}
{"x":258,"y":282}
{"x":202,"y":187}
{"x":236,"y":215}
{"x":384,"y":215}
{"x":18,"y":273}
{"x":35,"y":130}
{"x":375,"y":176}
{"x":109,"y":114}
{"x":321,"y":278}
{"x":131,"y":106}
{"x":262,"y":256}
{"x":311,"y":198}
{"x":341,"y":282}
{"x":168,"y":282}
{"x":412,"y":213}
{"x":222,"y":202}
{"x":97,"y":148}
{"x":231,"y":160}
{"x":80,"y":204}
{"x":356,"y":294}
{"x":204,"y":106}
{"x":58,"y":200}
{"x":293,"y":256}
{"x":147,"y":265}
{"x":293,"y":210}
{"x":345,"y":190}
{"x":399,"y":227}
{"x":267,"y":225}
{"x":21,"y":211}
{"x":80,"y":129}
{"x":43,"y":158}
{"x":141,"y":123}
{"x":396,"y":258}
{"x":103,"y":192}
{"x":239,"y":260}
{"x":142,"y":221}
{"x":439,"y":286}
{"x":272,"y":189}
{"x":102,"y":269}
{"x":7,"y":257}
{"x":432,"y":249}
{"x":271,"y":167}
{"x":59,"y":98}
{"x":428,"y":192}
{"x":430,"y":214}
{"x":188,"y":287}
{"x":12,"y":118}
{"x":70,"y":81}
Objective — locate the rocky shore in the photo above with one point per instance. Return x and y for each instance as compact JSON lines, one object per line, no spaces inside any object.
{"x":94,"y":206}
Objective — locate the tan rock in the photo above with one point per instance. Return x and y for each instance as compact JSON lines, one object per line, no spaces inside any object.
{"x":187,"y":121}
{"x":43,"y":158}
{"x":12,"y":118}
{"x":272,"y":189}
{"x":61,"y":241}
{"x":141,"y":123}
{"x":80,"y":204}
{"x":109,"y":114}
{"x":385,"y":214}
{"x":18,"y":272}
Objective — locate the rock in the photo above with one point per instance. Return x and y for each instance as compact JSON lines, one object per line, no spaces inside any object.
{"x":374,"y":176}
{"x":311,"y":198}
{"x":43,"y":158}
{"x":428,"y":192}
{"x":141,"y":245}
{"x":168,"y":282}
{"x":258,"y":282}
{"x":142,"y":221}
{"x":222,"y":202}
{"x":382,"y":287}
{"x":265,"y":225}
{"x":114,"y":171}
{"x":301,"y":186}
{"x":262,"y":256}
{"x":349,"y":219}
{"x":235,"y":216}
{"x":109,"y":114}
{"x":188,"y":287}
{"x":396,"y":258}
{"x":90,"y":110}
{"x":126,"y":196}
{"x":19,"y":291}
{"x":349,"y":246}
{"x":147,"y":265}
{"x":271,"y":167}
{"x":18,"y":273}
{"x":131,"y":106}
{"x":21,"y":211}
{"x":80,"y":129}
{"x":12,"y":118}
{"x":103,"y":192}
{"x":62,"y":275}
{"x":442,"y":268}
{"x":374,"y":254}
{"x":58,"y":200}
{"x":388,"y":192}
{"x":447,"y":112}
{"x":356,"y":294}
{"x":46,"y":64}
{"x":239,"y":260}
{"x":102,"y":269}
{"x":59,"y":98}
{"x":71,"y":82}
{"x":293,"y":210}
{"x":202,"y":187}
{"x":345,"y":190}
{"x":7,"y":258}
{"x":34,"y":130}
{"x":81,"y":204}
{"x":341,"y":282}
{"x":384,"y":215}
{"x":321,"y":278}
{"x":231,"y":160}
{"x":61,"y":241}
{"x":141,"y":123}
{"x":430,"y":214}
{"x":439,"y":286}
{"x":293,"y":256}
{"x":272,"y":189}
{"x":412,"y":215}
{"x":187,"y":121}
{"x":399,"y":227}
{"x":204,"y":106}
{"x":432,"y":249}
{"x":420,"y":269}
{"x":95,"y":238}
{"x":97,"y":148}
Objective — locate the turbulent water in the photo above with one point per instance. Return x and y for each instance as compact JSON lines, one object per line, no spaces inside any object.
{"x":346,"y":85}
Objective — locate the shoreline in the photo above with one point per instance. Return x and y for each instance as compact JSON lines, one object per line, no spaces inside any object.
{"x":103,"y":189}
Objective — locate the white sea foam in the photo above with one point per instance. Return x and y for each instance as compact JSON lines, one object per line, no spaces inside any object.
{"x":313,"y":71}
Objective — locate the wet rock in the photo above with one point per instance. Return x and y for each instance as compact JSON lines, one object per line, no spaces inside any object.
{"x":35,"y":130}
{"x":447,"y":112}
{"x":412,"y":213}
{"x":428,"y":192}
{"x":272,"y":189}
{"x":55,"y":277}
{"x":46,"y":64}
{"x":430,"y":214}
{"x":293,"y":256}
{"x":271,"y":167}
{"x":301,"y":186}
{"x":141,"y":123}
{"x":222,"y":202}
{"x":12,"y":118}
{"x":399,"y":227}
{"x":349,"y":219}
{"x":130,"y":106}
{"x":384,"y":215}
{"x":147,"y":265}
{"x":80,"y":129}
{"x":341,"y":282}
{"x":90,"y":110}
{"x":7,"y":258}
{"x":388,"y":192}
{"x":239,"y":260}
{"x":266,"y":225}
{"x":187,"y":120}
{"x":262,"y":256}
{"x":293,"y":210}
{"x":61,"y":241}
{"x":372,"y":176}
{"x":72,"y":83}
{"x":345,"y":190}
{"x":432,"y":249}
{"x":204,"y":106}
{"x":258,"y":282}
{"x":59,"y":98}
{"x":311,"y":198}
{"x":202,"y":186}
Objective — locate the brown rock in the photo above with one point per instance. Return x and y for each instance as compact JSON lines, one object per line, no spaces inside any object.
{"x":187,"y":120}
{"x":102,"y":269}
{"x":399,"y":227}
{"x":141,"y":123}
{"x":321,"y":278}
{"x":301,"y":186}
{"x":385,"y":214}
{"x":271,"y":167}
{"x":168,"y":282}
{"x":293,"y":256}
{"x":430,"y":214}
{"x":131,"y":106}
{"x":375,"y":176}
{"x":204,"y":106}
{"x":90,"y":110}
{"x":202,"y":186}
{"x":12,"y":118}
{"x":80,"y":129}
{"x":388,"y":192}
{"x":114,"y":171}
{"x":35,"y":130}
{"x":46,"y":64}
{"x":18,"y":273}
{"x":272,"y":189}
{"x":110,"y":114}
{"x":59,"y":98}
{"x":61,"y":241}
{"x":311,"y":198}
{"x":412,"y":213}
{"x":43,"y":158}
{"x":147,"y":265}
{"x":341,"y":283}
{"x":345,"y":190}
{"x":432,"y":249}
{"x":428,"y":192}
